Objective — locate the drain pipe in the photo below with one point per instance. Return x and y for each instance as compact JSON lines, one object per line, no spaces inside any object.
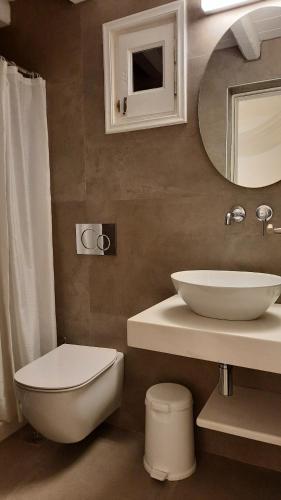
{"x":225,"y":380}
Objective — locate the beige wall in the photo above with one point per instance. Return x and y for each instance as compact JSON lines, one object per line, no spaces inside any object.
{"x":157,"y":185}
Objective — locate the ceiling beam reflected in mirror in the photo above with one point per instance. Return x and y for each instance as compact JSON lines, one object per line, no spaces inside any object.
{"x":251,"y":30}
{"x":247,"y":38}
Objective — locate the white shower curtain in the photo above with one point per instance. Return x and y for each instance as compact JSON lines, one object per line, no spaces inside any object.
{"x":27,"y":305}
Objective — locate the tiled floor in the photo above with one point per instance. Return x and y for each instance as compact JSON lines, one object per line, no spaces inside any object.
{"x":108,"y":466}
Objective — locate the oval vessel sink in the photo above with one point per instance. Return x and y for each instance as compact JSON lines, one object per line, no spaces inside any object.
{"x":232,"y":295}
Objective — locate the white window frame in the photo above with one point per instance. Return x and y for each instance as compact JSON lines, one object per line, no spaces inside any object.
{"x":234,"y":95}
{"x":177,"y":11}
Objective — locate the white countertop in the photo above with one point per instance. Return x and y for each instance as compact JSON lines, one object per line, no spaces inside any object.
{"x":171,"y":327}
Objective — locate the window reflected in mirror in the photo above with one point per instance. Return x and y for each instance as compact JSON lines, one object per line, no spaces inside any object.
{"x":255,"y":147}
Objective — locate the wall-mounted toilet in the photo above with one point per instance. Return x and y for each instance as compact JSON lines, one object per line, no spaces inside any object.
{"x":68,"y":392}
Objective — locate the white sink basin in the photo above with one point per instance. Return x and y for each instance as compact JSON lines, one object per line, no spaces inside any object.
{"x":232,"y":295}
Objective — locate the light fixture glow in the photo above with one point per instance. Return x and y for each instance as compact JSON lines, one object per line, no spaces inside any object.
{"x":210,"y":6}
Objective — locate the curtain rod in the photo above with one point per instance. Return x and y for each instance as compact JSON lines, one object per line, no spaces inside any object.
{"x":23,"y":71}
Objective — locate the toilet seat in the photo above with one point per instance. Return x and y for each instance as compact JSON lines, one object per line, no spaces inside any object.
{"x":65,"y":368}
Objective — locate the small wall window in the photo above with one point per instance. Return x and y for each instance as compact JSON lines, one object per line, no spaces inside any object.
{"x":145,"y":64}
{"x":147,"y":69}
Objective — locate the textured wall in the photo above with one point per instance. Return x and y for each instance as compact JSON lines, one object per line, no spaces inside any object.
{"x":157,"y":185}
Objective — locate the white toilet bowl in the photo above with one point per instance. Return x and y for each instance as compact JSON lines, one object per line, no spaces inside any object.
{"x":68,"y":392}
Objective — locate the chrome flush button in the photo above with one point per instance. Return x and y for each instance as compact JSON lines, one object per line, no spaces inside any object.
{"x":96,"y":239}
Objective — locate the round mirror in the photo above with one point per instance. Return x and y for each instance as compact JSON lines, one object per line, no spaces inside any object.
{"x":240,"y":101}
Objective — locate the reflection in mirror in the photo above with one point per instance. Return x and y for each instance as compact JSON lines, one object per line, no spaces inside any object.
{"x":240,"y":101}
{"x":255,"y":145}
{"x":148,"y":69}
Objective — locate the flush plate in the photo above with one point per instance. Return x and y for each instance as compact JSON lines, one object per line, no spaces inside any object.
{"x":96,"y":239}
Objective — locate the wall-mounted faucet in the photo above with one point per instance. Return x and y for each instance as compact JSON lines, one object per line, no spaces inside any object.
{"x":264,"y":213}
{"x":236,"y":214}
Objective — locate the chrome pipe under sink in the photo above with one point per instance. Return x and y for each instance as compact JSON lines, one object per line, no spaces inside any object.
{"x":225,"y":380}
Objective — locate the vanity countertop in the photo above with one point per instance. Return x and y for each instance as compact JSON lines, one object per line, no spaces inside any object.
{"x":171,"y":327}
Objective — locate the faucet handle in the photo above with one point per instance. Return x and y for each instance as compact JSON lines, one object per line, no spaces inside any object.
{"x":236,"y":214}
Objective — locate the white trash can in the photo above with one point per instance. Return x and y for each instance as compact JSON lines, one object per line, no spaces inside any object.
{"x":169,"y":436}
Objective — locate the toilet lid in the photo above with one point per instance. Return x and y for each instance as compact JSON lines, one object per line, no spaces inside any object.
{"x":66,"y":367}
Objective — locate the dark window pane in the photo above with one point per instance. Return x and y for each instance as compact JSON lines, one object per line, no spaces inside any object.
{"x":148,"y":69}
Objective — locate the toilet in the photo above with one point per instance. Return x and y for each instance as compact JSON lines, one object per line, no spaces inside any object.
{"x":68,"y":392}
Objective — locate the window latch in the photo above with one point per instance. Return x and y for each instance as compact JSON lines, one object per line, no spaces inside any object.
{"x":124,"y":107}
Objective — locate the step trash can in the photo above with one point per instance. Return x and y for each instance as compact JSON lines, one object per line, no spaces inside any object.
{"x":169,"y":433}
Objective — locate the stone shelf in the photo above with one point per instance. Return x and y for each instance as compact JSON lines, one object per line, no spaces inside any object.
{"x":171,"y":327}
{"x":249,"y":413}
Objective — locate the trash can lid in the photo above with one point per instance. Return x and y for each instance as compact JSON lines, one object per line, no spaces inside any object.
{"x":176,"y":396}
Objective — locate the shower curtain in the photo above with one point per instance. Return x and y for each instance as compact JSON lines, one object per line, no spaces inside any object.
{"x":27,"y":305}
